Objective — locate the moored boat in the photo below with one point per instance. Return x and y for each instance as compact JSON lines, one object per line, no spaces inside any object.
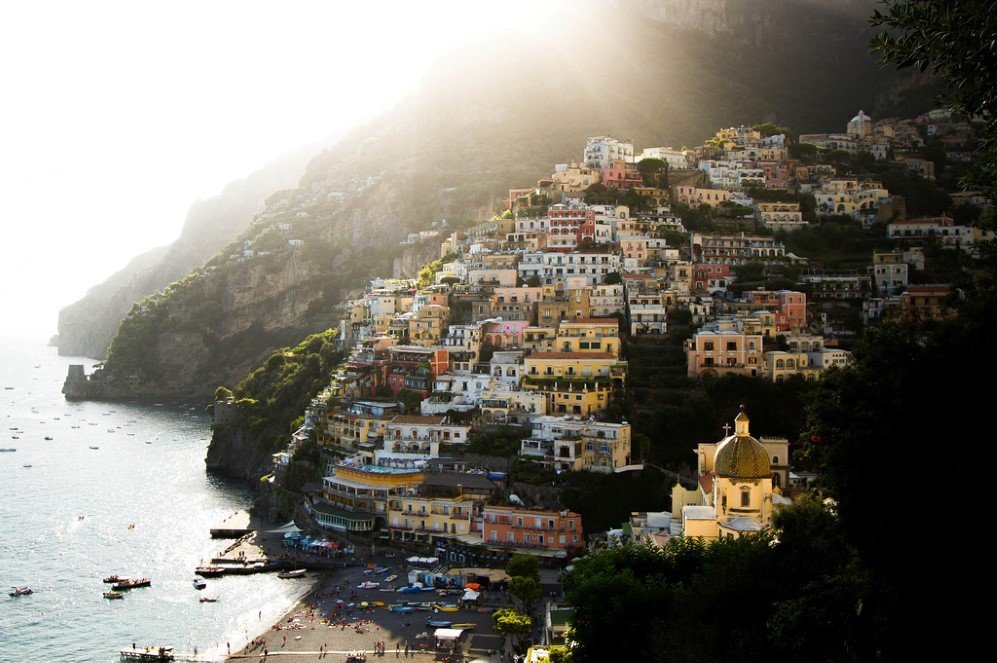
{"x":113,"y":595}
{"x":208,"y":599}
{"x":115,"y":578}
{"x":209,"y":571}
{"x":20,"y":591}
{"x":296,"y":573}
{"x":132,"y":583}
{"x":199,"y":584}
{"x":150,"y":653}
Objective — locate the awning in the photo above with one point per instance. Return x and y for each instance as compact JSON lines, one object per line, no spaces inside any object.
{"x":285,"y":529}
{"x":471,"y":595}
{"x":447,"y":633}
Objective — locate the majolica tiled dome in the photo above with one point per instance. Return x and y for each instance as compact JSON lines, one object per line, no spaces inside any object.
{"x":741,"y":456}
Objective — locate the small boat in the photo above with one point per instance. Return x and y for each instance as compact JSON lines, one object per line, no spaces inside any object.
{"x":49,"y":437}
{"x":20,"y":591}
{"x":115,"y":578}
{"x":368,"y":585}
{"x":9,"y":449}
{"x":150,"y":653}
{"x":438,"y":623}
{"x":113,"y":595}
{"x":393,"y":577}
{"x":356,"y":657}
{"x":15,"y":437}
{"x":27,"y":465}
{"x":208,"y":599}
{"x":296,"y":573}
{"x":466,"y":627}
{"x":199,"y":584}
{"x":209,"y":571}
{"x":132,"y":583}
{"x":446,"y":607}
{"x":94,"y":447}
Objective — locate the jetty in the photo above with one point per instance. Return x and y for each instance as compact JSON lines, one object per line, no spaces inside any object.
{"x":234,"y":527}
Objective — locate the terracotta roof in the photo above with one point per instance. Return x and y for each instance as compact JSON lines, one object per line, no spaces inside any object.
{"x":572,"y":355}
{"x":417,"y":419}
{"x":706,"y":483}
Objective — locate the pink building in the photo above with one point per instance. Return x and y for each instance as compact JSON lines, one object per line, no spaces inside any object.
{"x":504,"y":334}
{"x":789,"y":306}
{"x":621,"y":175}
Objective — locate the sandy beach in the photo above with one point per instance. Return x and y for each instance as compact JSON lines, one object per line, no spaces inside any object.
{"x":317,"y":628}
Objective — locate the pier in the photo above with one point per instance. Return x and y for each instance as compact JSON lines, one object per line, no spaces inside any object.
{"x":235,"y":526}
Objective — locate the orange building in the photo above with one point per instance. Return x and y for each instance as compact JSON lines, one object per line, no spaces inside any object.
{"x":517,"y":529}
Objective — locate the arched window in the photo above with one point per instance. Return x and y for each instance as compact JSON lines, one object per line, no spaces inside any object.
{"x":745,"y":497}
{"x":775,"y":460}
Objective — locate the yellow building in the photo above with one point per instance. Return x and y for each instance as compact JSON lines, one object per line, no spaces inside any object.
{"x":539,"y":339}
{"x":429,"y":325}
{"x":581,"y":400}
{"x":736,"y":477}
{"x":589,"y":335}
{"x":360,"y":426}
{"x":357,"y":495}
{"x":563,"y":305}
{"x":780,"y":365}
{"x":580,"y":366}
{"x":426,"y":519}
{"x":574,"y":178}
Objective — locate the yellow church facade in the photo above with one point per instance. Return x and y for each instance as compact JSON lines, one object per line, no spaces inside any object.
{"x":738,"y":485}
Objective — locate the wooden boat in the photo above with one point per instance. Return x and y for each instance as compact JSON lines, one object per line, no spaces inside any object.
{"x":150,"y":653}
{"x":115,"y":578}
{"x":208,"y":599}
{"x":199,"y":584}
{"x":20,"y":591}
{"x":356,"y":657}
{"x":438,"y":623}
{"x":113,"y":595}
{"x":446,"y":607}
{"x":209,"y":571}
{"x":296,"y":573}
{"x":132,"y":583}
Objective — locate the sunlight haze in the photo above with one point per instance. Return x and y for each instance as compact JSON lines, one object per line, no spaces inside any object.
{"x":119,"y":115}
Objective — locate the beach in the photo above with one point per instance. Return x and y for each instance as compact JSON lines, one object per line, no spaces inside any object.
{"x":319,"y":628}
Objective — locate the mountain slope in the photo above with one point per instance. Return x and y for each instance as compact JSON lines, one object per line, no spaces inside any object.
{"x":492,"y":115}
{"x":87,"y":326}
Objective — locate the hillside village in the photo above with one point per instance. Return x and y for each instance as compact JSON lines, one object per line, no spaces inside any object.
{"x":523,"y":324}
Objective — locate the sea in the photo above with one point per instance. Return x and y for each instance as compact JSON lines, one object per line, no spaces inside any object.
{"x":139,"y":504}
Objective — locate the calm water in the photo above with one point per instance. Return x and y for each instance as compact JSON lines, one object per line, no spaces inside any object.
{"x":148,"y":470}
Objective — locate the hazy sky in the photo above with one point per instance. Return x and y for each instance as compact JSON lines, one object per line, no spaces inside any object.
{"x":116,"y":115}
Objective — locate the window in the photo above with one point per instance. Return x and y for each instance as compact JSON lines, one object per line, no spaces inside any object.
{"x":745,"y":497}
{"x":708,"y":346}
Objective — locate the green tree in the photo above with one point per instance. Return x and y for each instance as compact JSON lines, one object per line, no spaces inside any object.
{"x":511,"y":623}
{"x":956,"y":41}
{"x":613,"y":278}
{"x":223,"y":393}
{"x":526,"y":589}
{"x":524,"y":566}
{"x":876,"y":414}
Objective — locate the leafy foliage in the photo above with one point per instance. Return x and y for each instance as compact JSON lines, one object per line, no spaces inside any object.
{"x":509,"y":622}
{"x":871,"y":420}
{"x":693,"y":600}
{"x":956,"y":40}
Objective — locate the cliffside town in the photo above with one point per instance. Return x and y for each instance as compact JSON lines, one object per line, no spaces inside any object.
{"x":518,"y":333}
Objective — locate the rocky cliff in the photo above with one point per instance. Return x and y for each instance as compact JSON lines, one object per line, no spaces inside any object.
{"x":87,"y":326}
{"x":490,"y":116}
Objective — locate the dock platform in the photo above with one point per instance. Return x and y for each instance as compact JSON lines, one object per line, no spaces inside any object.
{"x":235,"y":526}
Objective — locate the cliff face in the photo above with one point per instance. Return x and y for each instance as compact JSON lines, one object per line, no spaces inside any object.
{"x":490,"y":116}
{"x":87,"y":326}
{"x":238,"y":454}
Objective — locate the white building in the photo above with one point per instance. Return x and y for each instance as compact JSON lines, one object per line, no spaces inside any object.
{"x":602,"y":151}
{"x":676,"y":159}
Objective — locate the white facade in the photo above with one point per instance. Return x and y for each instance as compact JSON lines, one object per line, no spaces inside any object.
{"x":602,"y":151}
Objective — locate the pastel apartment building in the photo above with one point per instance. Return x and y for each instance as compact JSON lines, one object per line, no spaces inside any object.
{"x":554,"y":533}
{"x":573,"y":444}
{"x":722,"y":352}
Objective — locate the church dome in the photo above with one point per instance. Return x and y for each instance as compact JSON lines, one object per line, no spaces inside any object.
{"x":861,"y":117}
{"x":741,"y":456}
